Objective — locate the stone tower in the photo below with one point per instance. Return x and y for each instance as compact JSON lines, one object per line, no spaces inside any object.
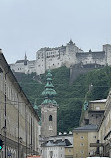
{"x":49,"y":109}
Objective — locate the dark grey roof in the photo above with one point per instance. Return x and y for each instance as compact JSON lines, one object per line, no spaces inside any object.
{"x":90,"y":127}
{"x":95,"y":55}
{"x":20,"y":61}
{"x":58,"y":142}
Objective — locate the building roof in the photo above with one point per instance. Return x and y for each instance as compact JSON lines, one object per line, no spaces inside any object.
{"x":58,"y":142}
{"x":95,"y":55}
{"x":89,"y":127}
{"x":20,"y":61}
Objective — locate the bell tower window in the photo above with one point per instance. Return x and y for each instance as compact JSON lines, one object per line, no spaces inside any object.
{"x":50,"y":118}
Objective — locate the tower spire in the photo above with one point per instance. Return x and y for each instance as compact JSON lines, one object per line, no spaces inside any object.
{"x":49,"y":93}
{"x":25,"y":59}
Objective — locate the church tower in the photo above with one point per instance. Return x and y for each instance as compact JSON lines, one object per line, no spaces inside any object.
{"x":49,"y":109}
{"x":25,"y":59}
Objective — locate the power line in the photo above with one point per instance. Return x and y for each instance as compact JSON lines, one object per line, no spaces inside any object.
{"x":59,"y":84}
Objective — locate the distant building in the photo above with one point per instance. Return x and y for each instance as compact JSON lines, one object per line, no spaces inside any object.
{"x":58,"y":146}
{"x":24,"y":66}
{"x":68,"y":55}
{"x":94,"y":112}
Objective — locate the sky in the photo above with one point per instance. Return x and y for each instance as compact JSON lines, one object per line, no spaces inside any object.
{"x":28,"y":25}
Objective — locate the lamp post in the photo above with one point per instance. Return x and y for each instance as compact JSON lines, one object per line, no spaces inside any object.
{"x":18,"y":120}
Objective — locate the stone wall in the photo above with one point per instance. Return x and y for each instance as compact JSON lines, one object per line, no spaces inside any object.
{"x":79,"y":69}
{"x":48,"y":127}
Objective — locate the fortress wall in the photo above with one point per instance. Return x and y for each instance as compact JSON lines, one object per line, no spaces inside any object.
{"x":78,"y":69}
{"x":91,"y":58}
{"x":107,"y":49}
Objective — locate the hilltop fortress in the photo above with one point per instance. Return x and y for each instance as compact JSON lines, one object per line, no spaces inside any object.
{"x":69,"y":56}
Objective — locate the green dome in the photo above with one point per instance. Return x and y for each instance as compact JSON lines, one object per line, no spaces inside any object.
{"x":49,"y":92}
{"x":49,"y":79}
{"x":47,"y":101}
{"x":54,"y":102}
{"x":49,"y":74}
{"x":49,"y":85}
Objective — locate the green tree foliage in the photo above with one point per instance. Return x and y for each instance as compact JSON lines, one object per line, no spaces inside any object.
{"x":70,"y":97}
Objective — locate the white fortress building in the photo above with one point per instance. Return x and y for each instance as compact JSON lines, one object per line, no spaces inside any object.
{"x":69,"y":55}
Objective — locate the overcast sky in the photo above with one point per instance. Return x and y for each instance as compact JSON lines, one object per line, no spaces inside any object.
{"x":28,"y":25}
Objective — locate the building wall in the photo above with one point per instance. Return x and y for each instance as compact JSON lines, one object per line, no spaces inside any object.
{"x":80,"y":145}
{"x":82,"y":141}
{"x":48,"y":128}
{"x":105,"y":129}
{"x":21,"y":119}
{"x":97,"y":106}
{"x":68,"y":152}
{"x":56,"y":57}
{"x":107,"y":49}
{"x":57,"y":152}
{"x":18,"y":67}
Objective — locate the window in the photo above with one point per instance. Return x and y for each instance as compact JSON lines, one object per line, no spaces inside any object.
{"x":82,"y":151}
{"x":50,"y":118}
{"x":81,"y":144}
{"x":81,"y":137}
{"x":97,"y":108}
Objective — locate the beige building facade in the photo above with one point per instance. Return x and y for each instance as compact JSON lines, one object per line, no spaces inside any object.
{"x":82,"y":138}
{"x":68,"y":152}
{"x":18,"y":120}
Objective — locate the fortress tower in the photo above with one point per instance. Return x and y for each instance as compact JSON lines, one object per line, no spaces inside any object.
{"x":49,"y":109}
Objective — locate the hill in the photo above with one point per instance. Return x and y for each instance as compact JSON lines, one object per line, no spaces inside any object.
{"x":70,"y":97}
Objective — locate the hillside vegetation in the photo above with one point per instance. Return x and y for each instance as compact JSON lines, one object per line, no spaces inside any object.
{"x":70,"y":98}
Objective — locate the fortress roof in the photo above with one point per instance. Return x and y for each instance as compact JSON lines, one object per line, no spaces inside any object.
{"x":20,"y":61}
{"x":98,"y":54}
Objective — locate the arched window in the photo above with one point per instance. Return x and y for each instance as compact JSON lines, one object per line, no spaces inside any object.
{"x":50,"y":118}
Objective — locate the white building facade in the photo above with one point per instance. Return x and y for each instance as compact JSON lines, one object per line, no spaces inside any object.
{"x":51,"y":58}
{"x":55,"y":147}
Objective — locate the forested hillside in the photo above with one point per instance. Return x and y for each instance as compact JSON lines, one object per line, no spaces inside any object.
{"x":70,"y":98}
